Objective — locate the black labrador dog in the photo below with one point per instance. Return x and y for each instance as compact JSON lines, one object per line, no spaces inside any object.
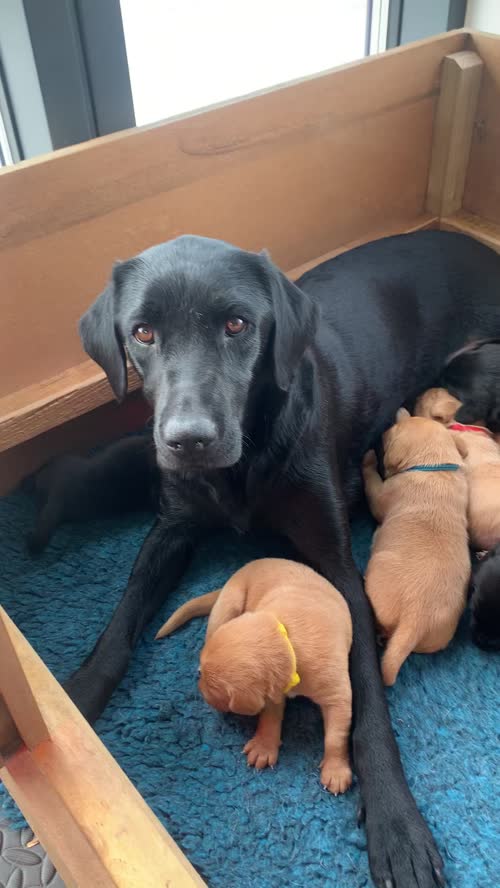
{"x":266,"y":395}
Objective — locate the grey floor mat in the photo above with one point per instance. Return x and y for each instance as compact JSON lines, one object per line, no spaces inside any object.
{"x":22,"y":867}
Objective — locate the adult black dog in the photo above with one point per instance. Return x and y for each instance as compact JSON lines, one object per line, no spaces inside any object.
{"x":266,"y":395}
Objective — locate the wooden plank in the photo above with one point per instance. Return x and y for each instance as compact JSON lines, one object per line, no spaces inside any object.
{"x":139,"y":163}
{"x":10,"y":738}
{"x":44,"y":405}
{"x":482,"y":186}
{"x":38,"y":408}
{"x":467,"y":223}
{"x":35,"y":794}
{"x":96,"y":827}
{"x":16,"y":691}
{"x":460,"y":83}
{"x":301,"y":170}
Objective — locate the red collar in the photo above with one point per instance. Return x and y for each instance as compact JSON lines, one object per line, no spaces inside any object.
{"x":458,"y":427}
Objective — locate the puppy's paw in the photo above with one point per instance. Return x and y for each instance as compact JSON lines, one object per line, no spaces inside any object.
{"x":370,"y":460}
{"x":336,"y":776}
{"x":261,"y":752}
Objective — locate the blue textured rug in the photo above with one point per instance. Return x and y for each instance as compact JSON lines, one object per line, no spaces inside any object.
{"x":242,"y":829}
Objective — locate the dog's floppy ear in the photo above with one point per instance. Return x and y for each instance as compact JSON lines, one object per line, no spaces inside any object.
{"x":295,"y":316}
{"x":446,"y":409}
{"x":402,"y":414}
{"x":461,"y":445}
{"x":101,"y":339}
{"x":242,"y":700}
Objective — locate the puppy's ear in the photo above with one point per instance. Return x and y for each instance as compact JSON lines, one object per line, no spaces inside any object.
{"x":461,"y":445}
{"x":446,"y":408}
{"x":295,"y":318}
{"x":100,"y":337}
{"x":402,"y":414}
{"x":245,"y":701}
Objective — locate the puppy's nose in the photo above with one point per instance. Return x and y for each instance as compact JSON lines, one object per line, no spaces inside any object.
{"x":189,"y":435}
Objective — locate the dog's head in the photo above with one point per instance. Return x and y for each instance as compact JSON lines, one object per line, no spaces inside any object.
{"x":473,"y":375}
{"x":204,"y":323}
{"x":415,"y":440}
{"x":438,"y":404}
{"x":243,"y":664}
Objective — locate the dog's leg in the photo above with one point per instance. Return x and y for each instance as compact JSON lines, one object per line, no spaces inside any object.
{"x":374,"y":487}
{"x":48,"y":519}
{"x":336,"y":774}
{"x":158,"y":568}
{"x":263,"y":749}
{"x":401,"y":849}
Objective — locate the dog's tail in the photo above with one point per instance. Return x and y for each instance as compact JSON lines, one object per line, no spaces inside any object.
{"x":197,"y":607}
{"x":400,"y":645}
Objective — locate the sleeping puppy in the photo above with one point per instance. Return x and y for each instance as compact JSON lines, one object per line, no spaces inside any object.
{"x":473,"y":376}
{"x":485,"y":601}
{"x":482,"y":468}
{"x":482,"y":465}
{"x":277,"y":629}
{"x":419,"y":567}
{"x":70,"y":487}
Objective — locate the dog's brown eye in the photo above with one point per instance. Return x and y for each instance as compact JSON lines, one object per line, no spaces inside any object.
{"x":144,"y":333}
{"x":235,"y":326}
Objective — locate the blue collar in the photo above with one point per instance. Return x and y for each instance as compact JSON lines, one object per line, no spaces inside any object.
{"x":439,"y":467}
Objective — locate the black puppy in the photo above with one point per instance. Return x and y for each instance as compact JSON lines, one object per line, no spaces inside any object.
{"x":266,"y":396}
{"x":485,"y":601}
{"x":70,"y":488}
{"x":473,"y":376}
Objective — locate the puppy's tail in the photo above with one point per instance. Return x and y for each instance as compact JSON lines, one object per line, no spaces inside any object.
{"x":197,"y":607}
{"x":400,"y":645}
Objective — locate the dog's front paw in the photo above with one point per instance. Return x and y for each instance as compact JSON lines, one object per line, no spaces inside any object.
{"x":401,"y":849}
{"x":370,"y":460}
{"x":261,"y":752}
{"x":336,"y":776}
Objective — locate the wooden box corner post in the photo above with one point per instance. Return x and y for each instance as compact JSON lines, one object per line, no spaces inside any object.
{"x":461,"y":74}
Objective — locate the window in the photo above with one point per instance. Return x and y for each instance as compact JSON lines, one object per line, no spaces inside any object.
{"x":186,"y":54}
{"x":74,"y":69}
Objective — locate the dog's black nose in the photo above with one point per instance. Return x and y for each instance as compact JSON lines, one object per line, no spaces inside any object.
{"x":189,"y":436}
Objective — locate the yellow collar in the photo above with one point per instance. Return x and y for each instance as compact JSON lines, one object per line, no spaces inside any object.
{"x":295,"y":679}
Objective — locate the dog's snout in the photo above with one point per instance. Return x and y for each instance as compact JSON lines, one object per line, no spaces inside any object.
{"x":189,"y":435}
